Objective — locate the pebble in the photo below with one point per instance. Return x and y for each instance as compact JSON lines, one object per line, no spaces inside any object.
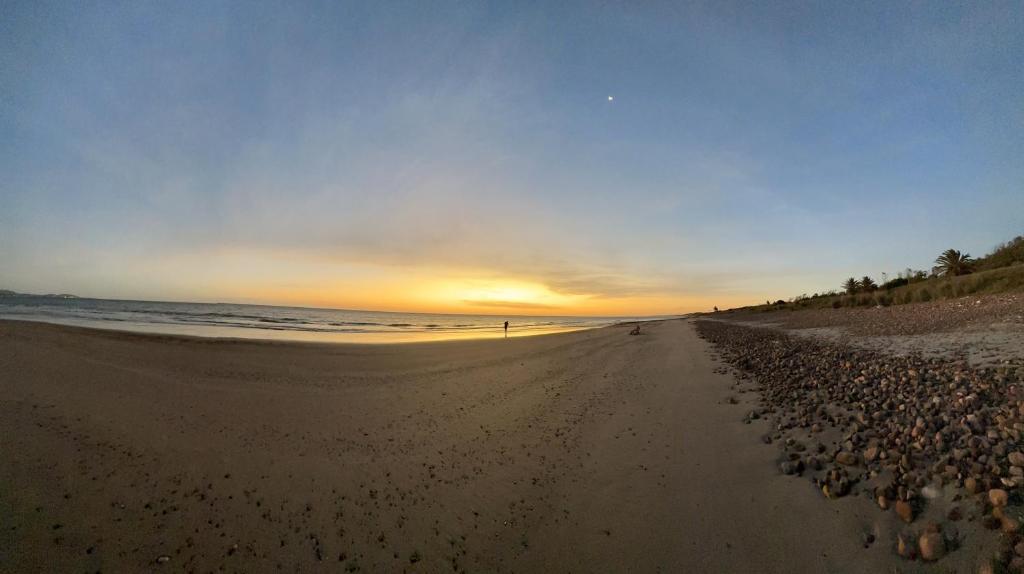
{"x":998,"y":497}
{"x":905,"y":546}
{"x":846,"y":458}
{"x":904,"y":511}
{"x":971,"y":485}
{"x":932,"y":546}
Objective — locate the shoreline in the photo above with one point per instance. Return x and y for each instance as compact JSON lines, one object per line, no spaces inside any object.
{"x":285,"y":340}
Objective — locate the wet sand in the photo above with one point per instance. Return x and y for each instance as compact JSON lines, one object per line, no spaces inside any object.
{"x":590,"y":451}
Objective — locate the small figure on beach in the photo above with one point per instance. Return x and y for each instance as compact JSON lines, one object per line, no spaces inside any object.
{"x":716,"y":308}
{"x":506,"y":329}
{"x":636,"y":330}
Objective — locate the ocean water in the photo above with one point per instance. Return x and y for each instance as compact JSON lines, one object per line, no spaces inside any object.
{"x":290,"y":323}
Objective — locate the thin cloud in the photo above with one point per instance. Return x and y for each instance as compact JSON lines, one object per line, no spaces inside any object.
{"x":513,"y":304}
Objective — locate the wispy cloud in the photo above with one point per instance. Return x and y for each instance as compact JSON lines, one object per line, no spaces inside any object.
{"x":507,"y":304}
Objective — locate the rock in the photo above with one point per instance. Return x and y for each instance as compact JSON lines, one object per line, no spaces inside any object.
{"x":991,"y":522}
{"x":846,"y":458}
{"x":163,"y":559}
{"x":971,"y":485}
{"x":1016,"y":458}
{"x":904,"y":511}
{"x":998,"y":497}
{"x":883,"y":503}
{"x":1009,"y":525}
{"x":1019,"y":548}
{"x":791,"y":467}
{"x":954,"y":514}
{"x":905,"y":546}
{"x":932,"y":546}
{"x":871,"y":454}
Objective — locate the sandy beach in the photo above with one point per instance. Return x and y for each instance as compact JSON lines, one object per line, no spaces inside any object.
{"x":590,"y":451}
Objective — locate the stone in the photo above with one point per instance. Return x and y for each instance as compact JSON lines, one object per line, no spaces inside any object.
{"x":1009,"y":525}
{"x":846,"y":458}
{"x":1016,"y":458}
{"x":905,"y":546}
{"x":932,"y":546}
{"x":163,"y":559}
{"x":954,"y":514}
{"x":791,"y":467}
{"x":998,"y":497}
{"x":883,"y":503}
{"x":904,"y":511}
{"x":871,"y":454}
{"x":971,"y":485}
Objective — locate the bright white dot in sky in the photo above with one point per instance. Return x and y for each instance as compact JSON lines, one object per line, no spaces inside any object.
{"x":610,"y":98}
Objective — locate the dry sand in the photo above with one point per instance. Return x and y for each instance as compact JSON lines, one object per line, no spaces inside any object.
{"x":590,"y":451}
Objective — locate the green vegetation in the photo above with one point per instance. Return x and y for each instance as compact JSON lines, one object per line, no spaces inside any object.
{"x":953,"y":263}
{"x":955,"y":274}
{"x":1005,"y":255}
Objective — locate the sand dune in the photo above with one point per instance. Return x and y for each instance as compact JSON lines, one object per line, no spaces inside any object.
{"x":589,"y":451}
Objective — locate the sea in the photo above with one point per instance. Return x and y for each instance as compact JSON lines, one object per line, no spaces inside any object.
{"x":230,"y":320}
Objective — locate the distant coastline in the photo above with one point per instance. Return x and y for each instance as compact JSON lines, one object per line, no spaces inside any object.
{"x":9,"y":293}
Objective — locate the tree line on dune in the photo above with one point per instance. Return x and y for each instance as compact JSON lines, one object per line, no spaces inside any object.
{"x":955,"y":274}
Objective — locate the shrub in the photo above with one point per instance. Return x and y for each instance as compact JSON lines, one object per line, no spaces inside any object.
{"x":1004,"y":255}
{"x":894,"y":283}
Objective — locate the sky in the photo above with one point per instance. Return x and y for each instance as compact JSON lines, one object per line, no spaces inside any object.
{"x":596,"y":158}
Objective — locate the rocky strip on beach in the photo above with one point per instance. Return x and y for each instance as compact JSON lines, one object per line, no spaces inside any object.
{"x":934,"y":441}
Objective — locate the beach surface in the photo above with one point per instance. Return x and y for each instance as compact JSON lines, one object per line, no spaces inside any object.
{"x":590,"y":451}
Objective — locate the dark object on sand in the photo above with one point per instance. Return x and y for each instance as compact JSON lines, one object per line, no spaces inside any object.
{"x":636,"y":330}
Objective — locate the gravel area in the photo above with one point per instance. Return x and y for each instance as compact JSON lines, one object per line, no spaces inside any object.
{"x":985,"y":331}
{"x":935,"y":442}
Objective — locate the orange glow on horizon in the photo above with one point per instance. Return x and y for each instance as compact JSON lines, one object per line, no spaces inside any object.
{"x":293,"y":280}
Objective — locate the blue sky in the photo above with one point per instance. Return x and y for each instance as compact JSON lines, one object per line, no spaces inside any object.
{"x":326,"y":154}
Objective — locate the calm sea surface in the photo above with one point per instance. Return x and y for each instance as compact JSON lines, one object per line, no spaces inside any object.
{"x":293,"y":323}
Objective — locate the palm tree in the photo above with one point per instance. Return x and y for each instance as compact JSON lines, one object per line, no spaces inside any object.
{"x":851,"y":286}
{"x":867,"y":284}
{"x":952,"y":262}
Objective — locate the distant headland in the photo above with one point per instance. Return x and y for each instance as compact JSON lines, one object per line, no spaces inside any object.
{"x":9,"y":293}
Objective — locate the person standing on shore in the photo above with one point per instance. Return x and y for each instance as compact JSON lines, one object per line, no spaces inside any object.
{"x":506,"y":329}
